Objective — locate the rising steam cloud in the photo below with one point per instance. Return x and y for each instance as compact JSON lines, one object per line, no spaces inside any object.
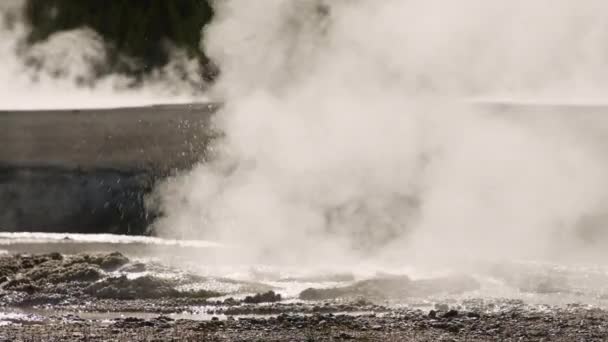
{"x":349,"y":130}
{"x":64,"y":71}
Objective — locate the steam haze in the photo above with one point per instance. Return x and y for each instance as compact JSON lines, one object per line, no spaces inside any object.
{"x":359,"y":130}
{"x":62,"y":71}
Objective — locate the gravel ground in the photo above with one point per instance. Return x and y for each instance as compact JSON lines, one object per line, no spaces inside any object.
{"x":513,"y":324}
{"x":91,"y":297}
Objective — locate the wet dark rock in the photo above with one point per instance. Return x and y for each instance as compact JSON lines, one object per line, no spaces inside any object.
{"x":107,"y":262}
{"x":133,"y":323}
{"x":53,"y":278}
{"x":322,"y":294}
{"x":393,"y":287}
{"x":230,"y":301}
{"x":45,"y":270}
{"x":199,"y":294}
{"x":8,"y":266}
{"x":450,"y":314}
{"x":473,"y":315}
{"x":38,"y":299}
{"x":145,"y":287}
{"x":21,"y":285}
{"x":267,"y":297}
{"x":125,"y":288}
{"x":377,"y":288}
{"x":111,"y":262}
{"x":433,"y":314}
{"x":12,"y":264}
{"x":133,"y":320}
{"x":454,"y":328}
{"x":134,"y":268}
{"x":60,"y":274}
{"x":345,"y":336}
{"x":55,"y":256}
{"x":164,"y":319}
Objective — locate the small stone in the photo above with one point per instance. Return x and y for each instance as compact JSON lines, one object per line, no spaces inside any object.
{"x":267,"y":297}
{"x":345,"y":336}
{"x":451,"y":314}
{"x":230,"y":301}
{"x":454,"y":328}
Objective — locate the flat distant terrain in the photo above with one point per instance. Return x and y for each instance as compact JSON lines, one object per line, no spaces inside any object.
{"x":174,"y":136}
{"x":88,"y":170}
{"x":154,"y":137}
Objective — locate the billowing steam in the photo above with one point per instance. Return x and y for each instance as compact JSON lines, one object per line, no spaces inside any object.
{"x":66,"y":71}
{"x":349,"y":132}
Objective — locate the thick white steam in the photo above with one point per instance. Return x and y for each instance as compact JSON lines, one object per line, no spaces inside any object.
{"x":349,"y":132}
{"x":62,"y":71}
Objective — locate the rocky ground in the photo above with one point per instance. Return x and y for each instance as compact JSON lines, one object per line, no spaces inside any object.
{"x":106,"y":282}
{"x":513,"y":324}
{"x":103,"y":297}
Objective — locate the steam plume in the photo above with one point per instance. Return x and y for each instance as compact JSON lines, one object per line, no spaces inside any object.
{"x":64,"y":71}
{"x":349,"y":132}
